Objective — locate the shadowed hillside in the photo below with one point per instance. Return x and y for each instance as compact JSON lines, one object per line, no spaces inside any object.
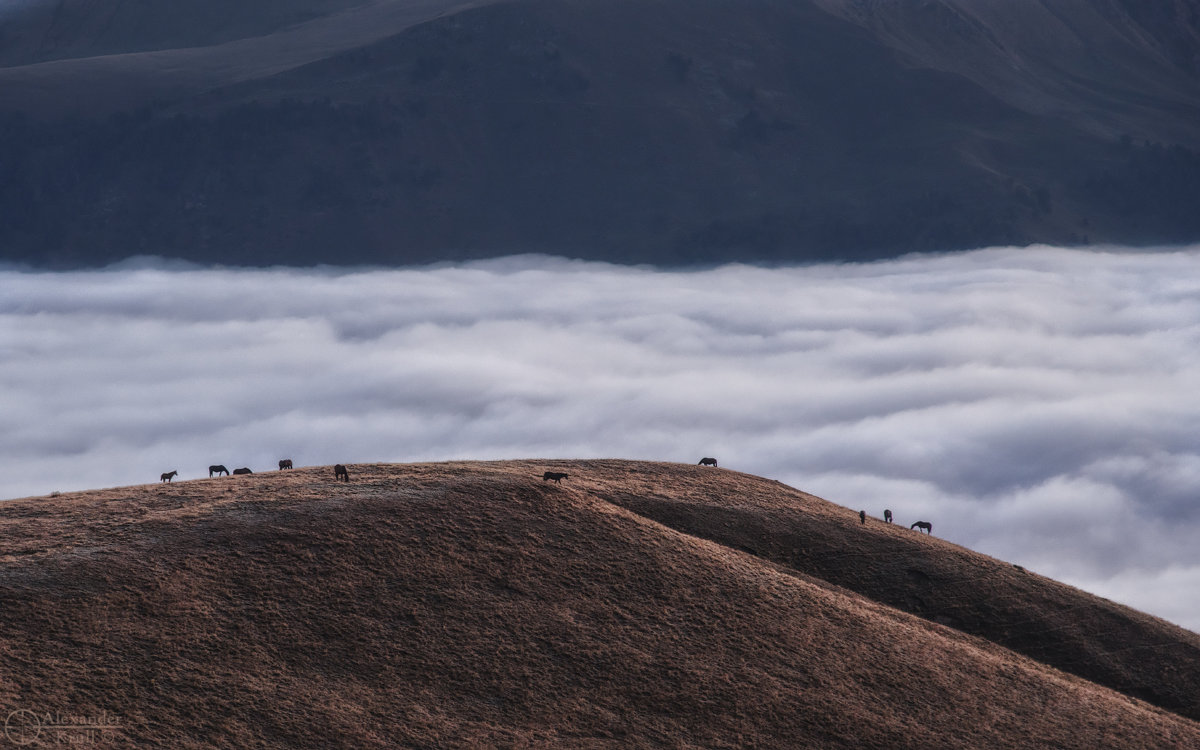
{"x":461,"y":604}
{"x":1100,"y":640}
{"x":36,"y":31}
{"x":1114,"y":66}
{"x":412,"y":131}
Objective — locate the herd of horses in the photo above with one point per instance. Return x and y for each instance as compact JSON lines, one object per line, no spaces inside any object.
{"x":925,"y":526}
{"x":340,"y":473}
{"x":219,"y":470}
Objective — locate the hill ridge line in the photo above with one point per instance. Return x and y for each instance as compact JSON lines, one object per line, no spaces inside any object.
{"x":473,"y":603}
{"x":780,"y":527}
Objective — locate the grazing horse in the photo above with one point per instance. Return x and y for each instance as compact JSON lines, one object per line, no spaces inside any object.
{"x":218,"y":470}
{"x":862,"y":516}
{"x":927,"y":526}
{"x":167,"y":477}
{"x":557,"y":476}
{"x":285,"y":463}
{"x":339,"y":472}
{"x":706,"y":461}
{"x":242,"y":470}
{"x":887,"y":516}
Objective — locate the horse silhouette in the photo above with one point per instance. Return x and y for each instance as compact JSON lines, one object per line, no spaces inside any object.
{"x":557,"y":476}
{"x":862,"y":516}
{"x":218,"y":470}
{"x":167,"y":477}
{"x":706,"y":461}
{"x":927,"y":526}
{"x":339,"y":472}
{"x":887,"y":516}
{"x":242,"y":470}
{"x":285,"y":463}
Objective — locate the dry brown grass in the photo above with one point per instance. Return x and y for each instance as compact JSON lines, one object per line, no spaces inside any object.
{"x":1121,"y":648}
{"x":472,"y":604}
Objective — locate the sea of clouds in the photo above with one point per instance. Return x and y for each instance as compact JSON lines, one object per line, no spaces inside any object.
{"x":1036,"y":404}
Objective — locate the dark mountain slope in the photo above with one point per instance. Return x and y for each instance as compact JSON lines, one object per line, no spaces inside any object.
{"x":665,"y":132}
{"x":1111,"y":66}
{"x":128,"y":63}
{"x":34,"y":31}
{"x":469,"y":604}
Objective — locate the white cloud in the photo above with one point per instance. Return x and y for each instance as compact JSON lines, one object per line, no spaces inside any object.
{"x":1036,"y":404}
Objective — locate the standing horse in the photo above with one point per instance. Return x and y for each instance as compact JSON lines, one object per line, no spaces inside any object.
{"x":862,"y":516}
{"x":887,"y":516}
{"x":706,"y":461}
{"x":339,"y":472}
{"x":919,"y":525}
{"x":218,"y":470}
{"x":285,"y":463}
{"x":167,"y":477}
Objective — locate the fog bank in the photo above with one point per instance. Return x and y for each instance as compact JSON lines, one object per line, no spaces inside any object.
{"x":1035,"y":404}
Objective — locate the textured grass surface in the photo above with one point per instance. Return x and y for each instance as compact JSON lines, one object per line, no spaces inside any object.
{"x":473,"y":604}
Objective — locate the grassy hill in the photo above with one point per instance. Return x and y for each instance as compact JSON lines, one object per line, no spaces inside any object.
{"x":468,"y":604}
{"x":1051,"y":622}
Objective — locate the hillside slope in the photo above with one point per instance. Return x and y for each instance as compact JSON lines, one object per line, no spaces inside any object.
{"x":1097,"y":639}
{"x":1113,"y":66}
{"x":462,"y":604}
{"x":411,"y":131}
{"x":138,"y":58}
{"x":33,"y":31}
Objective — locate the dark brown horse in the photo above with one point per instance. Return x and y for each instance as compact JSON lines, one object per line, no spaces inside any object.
{"x":706,"y":461}
{"x":218,"y":470}
{"x":285,"y":463}
{"x":167,"y":477}
{"x":339,"y":472}
{"x":242,"y":470}
{"x":557,"y":476}
{"x":923,"y":525}
{"x":887,"y":516}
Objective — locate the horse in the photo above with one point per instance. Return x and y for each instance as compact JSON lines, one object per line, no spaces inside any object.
{"x":285,"y":463}
{"x":339,"y":472}
{"x":242,"y":470}
{"x":706,"y":461}
{"x":887,"y":516}
{"x":557,"y":476}
{"x":927,"y":526}
{"x":862,"y":516}
{"x":218,"y":470}
{"x":167,"y":477}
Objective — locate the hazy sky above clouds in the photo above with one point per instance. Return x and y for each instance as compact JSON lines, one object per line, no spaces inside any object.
{"x":1035,"y":404}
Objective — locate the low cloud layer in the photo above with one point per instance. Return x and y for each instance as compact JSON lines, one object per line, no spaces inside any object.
{"x":1035,"y":404}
